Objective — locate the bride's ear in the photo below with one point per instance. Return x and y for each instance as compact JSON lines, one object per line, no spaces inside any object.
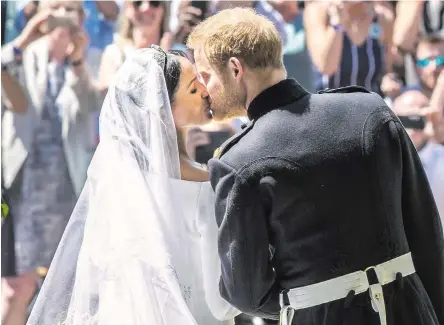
{"x":167,"y":41}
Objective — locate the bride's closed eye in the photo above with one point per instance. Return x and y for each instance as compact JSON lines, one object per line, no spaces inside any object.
{"x":192,"y":86}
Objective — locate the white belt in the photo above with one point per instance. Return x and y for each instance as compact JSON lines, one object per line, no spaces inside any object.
{"x":338,"y":288}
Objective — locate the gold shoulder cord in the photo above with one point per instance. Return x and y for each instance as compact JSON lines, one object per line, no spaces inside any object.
{"x":217,"y":152}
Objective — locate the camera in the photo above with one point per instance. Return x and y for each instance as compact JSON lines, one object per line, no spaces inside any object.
{"x":416,"y":122}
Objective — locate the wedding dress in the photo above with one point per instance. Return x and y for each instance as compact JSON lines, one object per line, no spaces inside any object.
{"x":200,"y":286}
{"x":141,"y":245}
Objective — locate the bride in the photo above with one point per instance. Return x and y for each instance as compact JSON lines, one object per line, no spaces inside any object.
{"x":141,"y":245}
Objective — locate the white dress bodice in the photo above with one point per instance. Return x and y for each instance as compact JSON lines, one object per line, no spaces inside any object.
{"x":199,"y":278}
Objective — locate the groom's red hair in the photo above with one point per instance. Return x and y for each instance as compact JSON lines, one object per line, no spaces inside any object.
{"x":240,"y":33}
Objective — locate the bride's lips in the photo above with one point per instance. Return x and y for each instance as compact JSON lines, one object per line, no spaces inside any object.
{"x":209,"y":112}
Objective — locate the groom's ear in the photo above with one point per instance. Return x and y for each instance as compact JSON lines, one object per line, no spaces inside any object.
{"x":235,"y":67}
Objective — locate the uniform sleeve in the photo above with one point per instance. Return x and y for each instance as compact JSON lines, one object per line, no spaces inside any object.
{"x":248,"y":278}
{"x":422,"y":223}
{"x":211,"y":266}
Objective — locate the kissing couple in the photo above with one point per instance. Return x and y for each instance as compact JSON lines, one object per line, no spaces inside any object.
{"x":318,"y":211}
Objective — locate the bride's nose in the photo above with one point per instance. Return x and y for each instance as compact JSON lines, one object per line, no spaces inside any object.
{"x":202,"y":89}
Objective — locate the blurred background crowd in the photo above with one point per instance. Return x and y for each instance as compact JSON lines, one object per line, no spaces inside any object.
{"x":58,"y":59}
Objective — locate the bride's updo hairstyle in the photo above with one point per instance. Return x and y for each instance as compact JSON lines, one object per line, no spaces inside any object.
{"x":170,"y":63}
{"x":172,"y":73}
{"x":172,"y":70}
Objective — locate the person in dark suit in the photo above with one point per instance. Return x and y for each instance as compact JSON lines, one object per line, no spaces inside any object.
{"x":323,"y":207}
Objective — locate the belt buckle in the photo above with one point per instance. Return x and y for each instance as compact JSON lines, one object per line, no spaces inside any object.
{"x":380,"y":273}
{"x":283,"y":298}
{"x":286,"y":313}
{"x":373,"y":295}
{"x":377,"y":294}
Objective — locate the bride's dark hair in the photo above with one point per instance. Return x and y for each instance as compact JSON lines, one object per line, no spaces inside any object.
{"x":172,"y":70}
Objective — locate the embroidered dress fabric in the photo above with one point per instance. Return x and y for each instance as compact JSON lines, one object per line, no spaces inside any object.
{"x":117,"y":260}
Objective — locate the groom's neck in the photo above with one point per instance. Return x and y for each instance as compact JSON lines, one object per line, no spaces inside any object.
{"x":258,"y":80}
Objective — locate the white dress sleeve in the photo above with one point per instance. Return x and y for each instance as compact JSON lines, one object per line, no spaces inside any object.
{"x":211,"y":267}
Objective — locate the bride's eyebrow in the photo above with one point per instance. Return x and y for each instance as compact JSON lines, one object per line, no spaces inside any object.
{"x":192,"y":80}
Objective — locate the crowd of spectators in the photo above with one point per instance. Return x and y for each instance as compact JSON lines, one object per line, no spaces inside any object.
{"x":55,"y":74}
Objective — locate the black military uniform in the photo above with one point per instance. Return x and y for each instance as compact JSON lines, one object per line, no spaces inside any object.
{"x":322,"y":185}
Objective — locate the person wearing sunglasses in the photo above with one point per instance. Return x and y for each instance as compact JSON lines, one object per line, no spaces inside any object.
{"x":429,"y":59}
{"x":423,"y":63}
{"x":142,"y":24}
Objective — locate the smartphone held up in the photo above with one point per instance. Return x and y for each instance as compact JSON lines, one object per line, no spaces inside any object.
{"x":68,"y":20}
{"x":202,"y":5}
{"x":415,"y":122}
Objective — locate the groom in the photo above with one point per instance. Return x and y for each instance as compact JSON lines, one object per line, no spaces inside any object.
{"x":322,"y":202}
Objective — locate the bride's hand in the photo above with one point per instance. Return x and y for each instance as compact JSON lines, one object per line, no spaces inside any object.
{"x":192,"y":171}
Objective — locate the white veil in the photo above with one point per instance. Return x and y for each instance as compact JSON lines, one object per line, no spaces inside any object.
{"x":108,"y":268}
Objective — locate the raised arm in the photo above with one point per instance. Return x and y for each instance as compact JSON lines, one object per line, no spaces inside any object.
{"x":12,"y":59}
{"x":323,"y":41}
{"x":406,"y":28}
{"x":79,"y":78}
{"x":437,"y":98}
{"x":391,"y":83}
{"x":109,"y":9}
{"x":15,"y":96}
